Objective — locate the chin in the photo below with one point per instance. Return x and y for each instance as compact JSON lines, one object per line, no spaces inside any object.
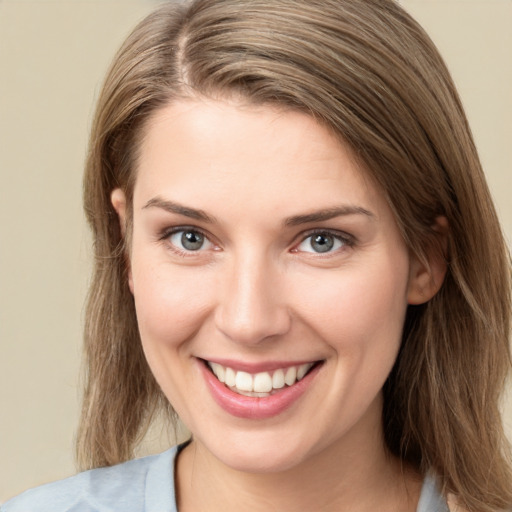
{"x":261,"y":452}
{"x":255,"y":462}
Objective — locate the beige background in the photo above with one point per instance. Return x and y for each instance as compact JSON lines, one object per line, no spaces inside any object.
{"x":53,"y":54}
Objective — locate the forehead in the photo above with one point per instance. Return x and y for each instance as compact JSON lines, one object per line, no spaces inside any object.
{"x":223,"y":153}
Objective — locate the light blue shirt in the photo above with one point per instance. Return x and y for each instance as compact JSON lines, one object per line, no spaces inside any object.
{"x":140,"y":485}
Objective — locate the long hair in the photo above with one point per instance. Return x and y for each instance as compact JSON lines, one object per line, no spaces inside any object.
{"x":367,"y":71}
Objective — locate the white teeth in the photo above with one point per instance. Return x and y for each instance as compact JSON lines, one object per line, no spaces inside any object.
{"x":230,"y":377}
{"x":290,"y":376}
{"x":303,"y":369}
{"x":278,"y":379}
{"x":259,"y":384}
{"x":219,"y":371}
{"x":243,"y":381}
{"x":262,"y":383}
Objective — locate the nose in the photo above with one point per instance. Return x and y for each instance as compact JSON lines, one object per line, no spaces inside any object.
{"x":252,"y":306}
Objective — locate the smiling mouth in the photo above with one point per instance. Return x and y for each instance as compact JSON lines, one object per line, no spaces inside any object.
{"x":262,"y":384}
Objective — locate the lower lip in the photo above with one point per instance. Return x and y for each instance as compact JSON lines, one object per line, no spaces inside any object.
{"x":258,"y":408}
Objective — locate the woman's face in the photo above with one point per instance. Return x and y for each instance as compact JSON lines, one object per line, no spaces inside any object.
{"x":262,"y":254}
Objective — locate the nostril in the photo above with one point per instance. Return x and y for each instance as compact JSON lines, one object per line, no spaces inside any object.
{"x":253,"y":329}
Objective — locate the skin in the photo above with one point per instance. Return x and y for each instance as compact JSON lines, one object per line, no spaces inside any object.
{"x":257,"y":292}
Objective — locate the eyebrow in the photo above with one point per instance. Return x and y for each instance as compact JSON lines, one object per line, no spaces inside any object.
{"x":327,"y":214}
{"x":179,"y":209}
{"x":296,"y":220}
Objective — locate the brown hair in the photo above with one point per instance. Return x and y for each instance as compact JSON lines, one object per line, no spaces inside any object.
{"x":369,"y":72}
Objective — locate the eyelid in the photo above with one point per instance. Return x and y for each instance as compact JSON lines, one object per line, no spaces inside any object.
{"x":168,"y":231}
{"x":165,"y":234}
{"x":347,"y":239}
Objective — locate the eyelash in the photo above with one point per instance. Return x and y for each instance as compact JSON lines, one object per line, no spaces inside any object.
{"x":347,"y":240}
{"x":167,"y":233}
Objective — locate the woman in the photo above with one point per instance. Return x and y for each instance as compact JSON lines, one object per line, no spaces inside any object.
{"x":297,"y":250}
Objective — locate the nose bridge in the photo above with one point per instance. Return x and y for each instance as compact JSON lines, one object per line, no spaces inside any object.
{"x":251,"y":306}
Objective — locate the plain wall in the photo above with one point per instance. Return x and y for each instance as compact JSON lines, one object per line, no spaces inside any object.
{"x":53,"y":55}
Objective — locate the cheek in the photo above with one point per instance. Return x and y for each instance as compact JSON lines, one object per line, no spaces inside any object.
{"x":357,"y":308}
{"x":171,"y":306}
{"x":170,"y":303}
{"x":360,"y":316}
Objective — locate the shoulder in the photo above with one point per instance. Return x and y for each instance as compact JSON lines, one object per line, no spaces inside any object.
{"x":431,"y":498}
{"x":144,"y":484}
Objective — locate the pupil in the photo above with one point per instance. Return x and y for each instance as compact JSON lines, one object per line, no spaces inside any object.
{"x":192,"y":241}
{"x":322,"y":243}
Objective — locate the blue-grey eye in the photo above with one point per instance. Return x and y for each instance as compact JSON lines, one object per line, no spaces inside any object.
{"x":321,"y":243}
{"x":189,"y":240}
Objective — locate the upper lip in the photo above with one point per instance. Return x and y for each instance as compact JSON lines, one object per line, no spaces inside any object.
{"x":257,"y":367}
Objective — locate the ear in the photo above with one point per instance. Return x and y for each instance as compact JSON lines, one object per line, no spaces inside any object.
{"x":118,"y":199}
{"x":426,"y":276}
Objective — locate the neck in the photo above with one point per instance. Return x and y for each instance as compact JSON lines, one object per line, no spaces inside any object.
{"x":354,"y":474}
